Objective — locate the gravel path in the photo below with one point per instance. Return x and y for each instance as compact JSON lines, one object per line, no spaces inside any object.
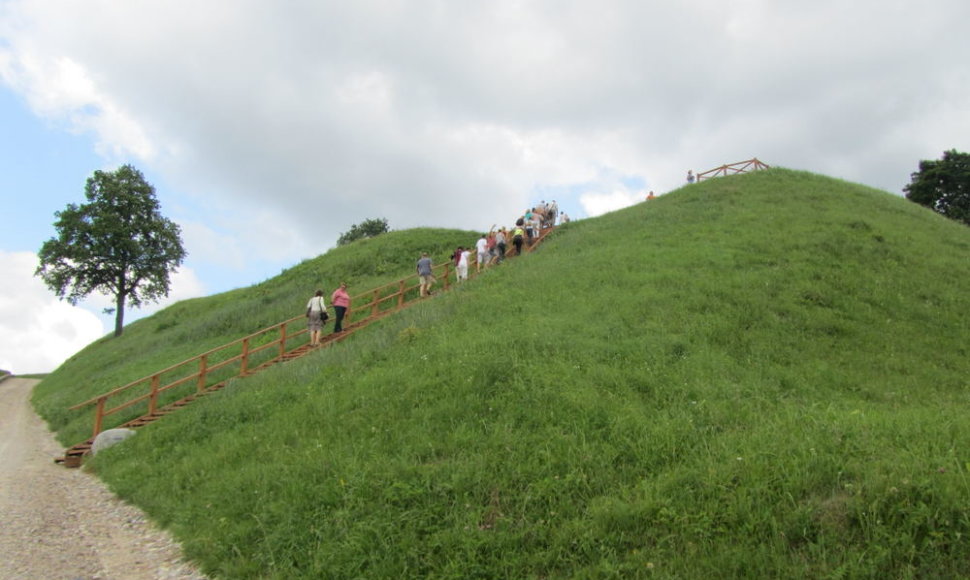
{"x":60,"y":523}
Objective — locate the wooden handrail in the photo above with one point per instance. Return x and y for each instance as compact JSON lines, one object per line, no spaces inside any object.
{"x":203,"y":367}
{"x":753,"y":164}
{"x":185,"y":362}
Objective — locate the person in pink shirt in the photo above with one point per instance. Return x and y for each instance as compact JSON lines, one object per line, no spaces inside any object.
{"x":341,"y":302}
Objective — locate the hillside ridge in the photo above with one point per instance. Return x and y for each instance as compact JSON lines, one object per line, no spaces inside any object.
{"x":761,"y":375}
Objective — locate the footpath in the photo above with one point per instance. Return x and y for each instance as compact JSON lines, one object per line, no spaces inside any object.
{"x":100,"y":537}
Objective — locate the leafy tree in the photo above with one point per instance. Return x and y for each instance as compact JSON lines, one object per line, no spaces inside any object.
{"x":116,"y":244}
{"x":943,"y":185}
{"x":366,"y":229}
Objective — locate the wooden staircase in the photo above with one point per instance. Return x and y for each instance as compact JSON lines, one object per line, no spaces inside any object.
{"x":74,"y":455}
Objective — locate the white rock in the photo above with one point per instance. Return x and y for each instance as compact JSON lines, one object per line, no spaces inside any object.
{"x":110,"y":437}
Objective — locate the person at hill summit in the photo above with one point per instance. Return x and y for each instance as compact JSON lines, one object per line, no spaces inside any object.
{"x":315,"y":311}
{"x":341,"y":302}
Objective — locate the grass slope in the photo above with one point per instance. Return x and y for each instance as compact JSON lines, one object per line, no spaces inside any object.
{"x":191,"y":327}
{"x":756,"y":376}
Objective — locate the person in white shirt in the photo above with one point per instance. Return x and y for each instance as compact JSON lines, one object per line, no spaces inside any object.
{"x":462,"y":267}
{"x":481,"y":247}
{"x":315,"y":312}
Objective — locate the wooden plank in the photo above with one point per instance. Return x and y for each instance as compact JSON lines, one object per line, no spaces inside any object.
{"x":204,"y":369}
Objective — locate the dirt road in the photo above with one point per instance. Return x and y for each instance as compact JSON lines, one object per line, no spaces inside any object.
{"x":60,"y":523}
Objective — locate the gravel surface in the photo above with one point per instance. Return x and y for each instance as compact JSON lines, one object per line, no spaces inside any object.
{"x":60,"y":523}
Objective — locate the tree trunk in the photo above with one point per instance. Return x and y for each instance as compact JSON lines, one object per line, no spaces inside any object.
{"x":119,"y":313}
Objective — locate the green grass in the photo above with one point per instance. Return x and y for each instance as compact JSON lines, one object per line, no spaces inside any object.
{"x":188,"y":328}
{"x":756,"y":376}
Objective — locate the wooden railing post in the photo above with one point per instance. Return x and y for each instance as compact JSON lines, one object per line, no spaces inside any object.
{"x":244,"y":362}
{"x":153,"y":398}
{"x":400,"y":294}
{"x":99,"y":416}
{"x":282,"y":339}
{"x":375,"y":303}
{"x":203,"y":365}
{"x":447,"y":276}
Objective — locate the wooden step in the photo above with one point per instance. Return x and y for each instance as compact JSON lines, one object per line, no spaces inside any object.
{"x":74,"y":455}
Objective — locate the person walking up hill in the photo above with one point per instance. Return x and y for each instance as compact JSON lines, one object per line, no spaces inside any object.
{"x":500,"y":244}
{"x":481,"y":248}
{"x":517,"y":235}
{"x":315,"y":312}
{"x":461,"y":269}
{"x":425,"y":274}
{"x":341,"y":302}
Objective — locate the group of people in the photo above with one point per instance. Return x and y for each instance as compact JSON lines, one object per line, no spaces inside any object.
{"x":316,"y":312}
{"x":490,"y":249}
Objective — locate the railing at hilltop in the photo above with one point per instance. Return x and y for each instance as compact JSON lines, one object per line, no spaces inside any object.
{"x":267,"y":346}
{"x":733,"y":169}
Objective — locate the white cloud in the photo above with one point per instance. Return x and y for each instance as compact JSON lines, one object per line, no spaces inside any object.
{"x":281,"y":126}
{"x":38,"y":331}
{"x":330,"y":113}
{"x":61,"y":89}
{"x":211,"y":246}
{"x":183,"y":284}
{"x":596,"y":204}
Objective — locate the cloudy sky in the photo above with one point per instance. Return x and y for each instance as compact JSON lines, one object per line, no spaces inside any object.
{"x":268,"y":128}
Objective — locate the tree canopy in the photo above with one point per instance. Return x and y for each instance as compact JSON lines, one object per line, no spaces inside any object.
{"x":365,"y":229}
{"x":117,"y":244}
{"x":943,"y":185}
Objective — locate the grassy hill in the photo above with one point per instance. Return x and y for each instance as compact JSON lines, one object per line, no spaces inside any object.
{"x":191,"y":327}
{"x":757,"y":376}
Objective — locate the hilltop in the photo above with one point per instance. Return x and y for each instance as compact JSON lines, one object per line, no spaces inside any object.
{"x":763,"y":375}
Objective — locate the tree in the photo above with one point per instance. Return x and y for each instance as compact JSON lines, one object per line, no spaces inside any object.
{"x":116,"y":244}
{"x":365,"y":229}
{"x":943,"y":185}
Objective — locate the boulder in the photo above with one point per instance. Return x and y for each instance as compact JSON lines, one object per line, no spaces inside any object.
{"x":110,"y":437}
